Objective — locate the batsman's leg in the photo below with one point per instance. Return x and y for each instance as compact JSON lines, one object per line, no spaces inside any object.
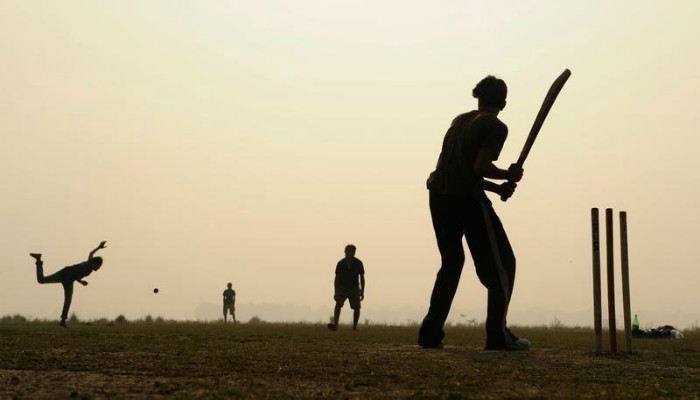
{"x":448,"y":225}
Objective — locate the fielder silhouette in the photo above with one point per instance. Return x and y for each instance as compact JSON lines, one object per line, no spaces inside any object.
{"x":68,"y":275}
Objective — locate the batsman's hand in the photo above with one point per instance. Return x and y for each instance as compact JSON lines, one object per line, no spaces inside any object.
{"x":102,"y":245}
{"x":507,"y":189}
{"x":515,"y":173}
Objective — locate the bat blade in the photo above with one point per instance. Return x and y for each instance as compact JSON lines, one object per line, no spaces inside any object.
{"x":541,"y":116}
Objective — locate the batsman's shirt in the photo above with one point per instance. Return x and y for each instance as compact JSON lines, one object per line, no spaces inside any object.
{"x":468,"y":134}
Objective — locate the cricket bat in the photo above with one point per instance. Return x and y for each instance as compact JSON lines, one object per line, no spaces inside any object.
{"x":541,"y":116}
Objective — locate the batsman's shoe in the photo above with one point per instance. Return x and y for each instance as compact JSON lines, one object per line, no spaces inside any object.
{"x":332,"y":327}
{"x":431,"y":345}
{"x":516,"y":343}
{"x":429,"y":337}
{"x":36,"y":256}
{"x":510,"y":343}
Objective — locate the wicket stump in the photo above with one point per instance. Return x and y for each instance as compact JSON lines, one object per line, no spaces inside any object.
{"x":597,"y":305}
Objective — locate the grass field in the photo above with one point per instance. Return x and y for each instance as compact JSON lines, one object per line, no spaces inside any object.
{"x":213,"y":360}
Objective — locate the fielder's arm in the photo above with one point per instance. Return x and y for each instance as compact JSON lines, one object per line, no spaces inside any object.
{"x":102,"y":245}
{"x":362,"y":286}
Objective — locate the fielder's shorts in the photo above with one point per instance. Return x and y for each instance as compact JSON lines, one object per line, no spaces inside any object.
{"x":230,"y":308}
{"x":352,"y":294}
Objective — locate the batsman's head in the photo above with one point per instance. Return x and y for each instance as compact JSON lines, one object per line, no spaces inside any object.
{"x":491,"y":92}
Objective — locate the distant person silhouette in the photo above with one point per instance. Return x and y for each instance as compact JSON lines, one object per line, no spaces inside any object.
{"x":230,"y":302}
{"x":349,"y":284}
{"x":68,"y":275}
{"x":459,"y":207}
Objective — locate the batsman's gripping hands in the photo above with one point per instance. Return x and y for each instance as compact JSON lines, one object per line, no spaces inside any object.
{"x":506,"y":190}
{"x":515,"y":174}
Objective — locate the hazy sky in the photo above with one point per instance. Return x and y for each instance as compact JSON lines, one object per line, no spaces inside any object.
{"x":217,"y":141}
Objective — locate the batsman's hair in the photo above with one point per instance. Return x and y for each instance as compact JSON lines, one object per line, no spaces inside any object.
{"x":350,"y":247}
{"x":491,"y":91}
{"x":96,"y":261}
